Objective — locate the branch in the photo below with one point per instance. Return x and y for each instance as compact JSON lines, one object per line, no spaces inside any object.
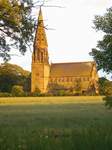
{"x":3,"y":31}
{"x":53,"y":6}
{"x":15,"y":55}
{"x":7,"y":33}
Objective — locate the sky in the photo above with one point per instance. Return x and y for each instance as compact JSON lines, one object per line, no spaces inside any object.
{"x":70,"y":31}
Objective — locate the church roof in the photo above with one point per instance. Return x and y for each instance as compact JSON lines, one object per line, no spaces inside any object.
{"x":77,"y":69}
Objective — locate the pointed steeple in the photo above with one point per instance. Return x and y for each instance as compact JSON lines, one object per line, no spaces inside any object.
{"x":40,"y":17}
{"x":40,"y":52}
{"x":40,"y":37}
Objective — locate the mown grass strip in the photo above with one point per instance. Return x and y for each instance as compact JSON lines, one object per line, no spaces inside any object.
{"x":51,"y":100}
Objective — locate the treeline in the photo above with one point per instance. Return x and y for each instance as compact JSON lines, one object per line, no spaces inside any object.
{"x":15,"y":81}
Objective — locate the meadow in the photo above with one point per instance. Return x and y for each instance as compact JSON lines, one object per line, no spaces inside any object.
{"x":55,"y":123}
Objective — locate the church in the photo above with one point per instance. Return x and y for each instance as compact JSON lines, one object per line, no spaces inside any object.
{"x":82,"y":75}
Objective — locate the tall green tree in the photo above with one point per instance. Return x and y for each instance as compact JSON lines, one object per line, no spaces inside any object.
{"x":105,"y":86}
{"x":16,"y":26}
{"x":11,"y":75}
{"x":102,"y":54}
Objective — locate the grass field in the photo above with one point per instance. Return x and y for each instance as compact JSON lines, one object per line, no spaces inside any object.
{"x":55,"y":123}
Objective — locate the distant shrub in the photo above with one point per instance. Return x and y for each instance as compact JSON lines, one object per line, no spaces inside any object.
{"x":4,"y":94}
{"x":36,"y":93}
{"x":54,"y":89}
{"x":105,"y":87}
{"x":108,"y":89}
{"x":108,"y":101}
{"x":17,"y":90}
{"x":91,"y":91}
{"x":62,"y":93}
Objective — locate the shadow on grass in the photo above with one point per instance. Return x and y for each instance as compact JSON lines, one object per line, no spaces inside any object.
{"x":108,"y":101}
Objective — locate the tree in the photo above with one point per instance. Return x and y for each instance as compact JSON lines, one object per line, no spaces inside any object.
{"x":105,"y":86}
{"x":11,"y":75}
{"x":27,"y":83}
{"x":17,"y":90}
{"x":16,"y":26}
{"x":103,"y":53}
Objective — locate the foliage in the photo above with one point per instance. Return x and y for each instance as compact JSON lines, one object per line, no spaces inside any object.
{"x":26,"y":82}
{"x":60,"y":90}
{"x":77,"y":87}
{"x":108,"y":101}
{"x":91,"y":90}
{"x":17,"y":90}
{"x":13,"y":75}
{"x":56,"y":89}
{"x":102,"y":81}
{"x":105,"y":86}
{"x":36,"y":93}
{"x":103,"y":53}
{"x":16,"y":26}
{"x":4,"y":94}
{"x":108,"y":88}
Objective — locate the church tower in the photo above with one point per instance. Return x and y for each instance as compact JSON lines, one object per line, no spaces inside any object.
{"x":40,"y":59}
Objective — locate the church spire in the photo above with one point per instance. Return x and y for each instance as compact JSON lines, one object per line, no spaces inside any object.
{"x":41,"y":38}
{"x":40,"y":52}
{"x":40,"y":17}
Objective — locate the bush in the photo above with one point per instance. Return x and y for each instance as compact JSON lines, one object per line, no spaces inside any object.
{"x":108,"y":89}
{"x":108,"y":101}
{"x":4,"y":94}
{"x":17,"y":90}
{"x":105,"y":87}
{"x":54,"y":89}
{"x":36,"y":93}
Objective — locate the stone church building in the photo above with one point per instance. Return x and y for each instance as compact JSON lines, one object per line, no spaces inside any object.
{"x":66,"y":74}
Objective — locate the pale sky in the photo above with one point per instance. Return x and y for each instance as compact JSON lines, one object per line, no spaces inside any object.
{"x":72,"y":37}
